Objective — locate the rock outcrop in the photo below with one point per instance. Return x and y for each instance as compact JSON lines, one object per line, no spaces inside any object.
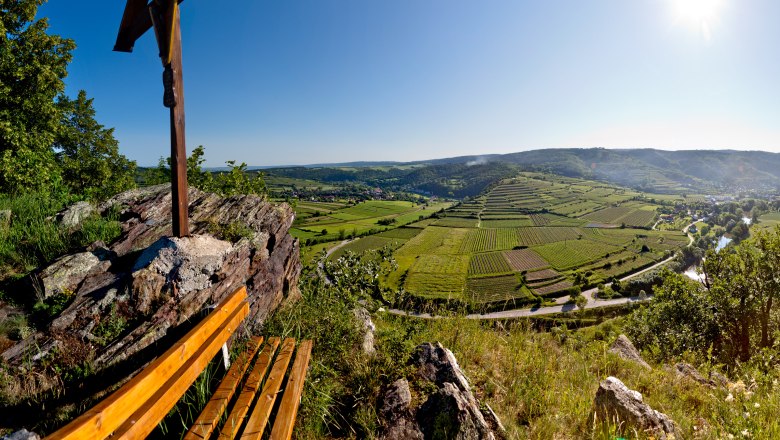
{"x":73,"y":215}
{"x":626,"y":350}
{"x":451,"y":411}
{"x":130,"y":299}
{"x":367,"y":328}
{"x":617,"y":404}
{"x":688,"y":371}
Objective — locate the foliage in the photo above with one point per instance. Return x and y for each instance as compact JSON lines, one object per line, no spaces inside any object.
{"x":237,"y":180}
{"x":32,"y":67}
{"x":46,"y":139}
{"x":88,"y":153}
{"x":730,"y":318}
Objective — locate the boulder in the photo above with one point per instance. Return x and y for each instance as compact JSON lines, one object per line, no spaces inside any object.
{"x":396,"y":400}
{"x":368,"y":328}
{"x":67,"y":273}
{"x":688,"y":371}
{"x":438,"y":365}
{"x":626,"y":350}
{"x":450,"y":411}
{"x":73,"y":215}
{"x":616,"y":403}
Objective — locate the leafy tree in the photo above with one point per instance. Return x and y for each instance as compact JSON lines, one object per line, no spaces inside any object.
{"x":677,"y":320}
{"x":195,"y":175}
{"x":88,"y":153}
{"x":32,"y":67}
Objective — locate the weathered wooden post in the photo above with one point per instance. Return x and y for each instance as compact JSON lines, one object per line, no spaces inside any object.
{"x":139,"y":16}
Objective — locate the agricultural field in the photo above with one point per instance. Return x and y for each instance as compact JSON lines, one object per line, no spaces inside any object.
{"x":493,"y":289}
{"x":488,"y":263}
{"x":768,"y":221}
{"x":521,"y":260}
{"x":523,"y":239}
{"x":325,"y":221}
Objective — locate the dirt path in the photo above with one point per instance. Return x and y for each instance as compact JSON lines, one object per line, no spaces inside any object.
{"x":562,"y":304}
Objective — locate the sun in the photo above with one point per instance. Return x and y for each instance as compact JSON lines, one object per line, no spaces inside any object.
{"x":699,"y":14}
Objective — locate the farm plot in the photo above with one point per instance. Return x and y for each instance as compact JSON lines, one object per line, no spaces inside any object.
{"x":506,"y":223}
{"x":541,"y":275}
{"x":443,"y":264}
{"x":552,"y":289}
{"x":436,"y":285}
{"x":402,"y":233}
{"x":622,"y":214}
{"x":545,"y":234}
{"x":574,"y":253}
{"x":488,"y":263}
{"x":492,"y":289}
{"x":524,"y":259}
{"x":361,"y":245}
{"x":484,"y":240}
{"x":435,"y":240}
{"x":457,"y":222}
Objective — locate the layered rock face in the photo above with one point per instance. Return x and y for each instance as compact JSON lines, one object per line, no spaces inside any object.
{"x":124,"y":298}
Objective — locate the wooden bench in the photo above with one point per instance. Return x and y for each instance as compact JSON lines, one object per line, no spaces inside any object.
{"x":135,"y":409}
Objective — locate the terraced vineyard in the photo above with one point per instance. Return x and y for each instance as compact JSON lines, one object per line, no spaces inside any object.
{"x":489,"y":263}
{"x":527,"y":237}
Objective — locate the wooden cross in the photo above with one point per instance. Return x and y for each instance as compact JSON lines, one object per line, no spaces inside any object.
{"x":163,"y":15}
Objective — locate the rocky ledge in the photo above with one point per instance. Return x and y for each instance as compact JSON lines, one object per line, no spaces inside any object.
{"x":127,"y":300}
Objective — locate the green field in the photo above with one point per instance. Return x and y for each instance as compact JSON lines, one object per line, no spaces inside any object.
{"x":544,"y":227}
{"x":335,"y":220}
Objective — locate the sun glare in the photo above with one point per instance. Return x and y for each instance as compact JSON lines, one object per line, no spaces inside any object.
{"x":700,"y":14}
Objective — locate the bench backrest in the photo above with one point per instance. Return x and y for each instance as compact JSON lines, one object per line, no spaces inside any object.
{"x":135,"y":409}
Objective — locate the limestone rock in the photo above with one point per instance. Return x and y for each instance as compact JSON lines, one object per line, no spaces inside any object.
{"x":176,"y":266}
{"x":449,"y":412}
{"x":368,"y":328}
{"x":626,"y":350}
{"x":67,"y":273}
{"x":21,"y":434}
{"x":688,"y":371}
{"x":437,"y":364}
{"x":616,"y":403}
{"x":397,"y":399}
{"x":73,"y":215}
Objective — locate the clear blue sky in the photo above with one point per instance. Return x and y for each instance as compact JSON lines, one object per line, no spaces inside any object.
{"x":311,"y":81}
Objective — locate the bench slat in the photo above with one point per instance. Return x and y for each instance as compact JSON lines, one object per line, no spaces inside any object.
{"x":209,"y":417}
{"x":240,"y":409}
{"x":285,"y":418}
{"x":100,"y":421}
{"x":261,"y":412}
{"x":149,"y":415}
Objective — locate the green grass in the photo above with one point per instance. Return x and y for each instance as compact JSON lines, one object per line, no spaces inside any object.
{"x":32,"y":240}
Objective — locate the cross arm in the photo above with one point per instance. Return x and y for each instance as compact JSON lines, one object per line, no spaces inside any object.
{"x":136,"y":20}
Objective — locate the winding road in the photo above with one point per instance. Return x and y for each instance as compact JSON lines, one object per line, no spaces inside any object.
{"x":562,"y":304}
